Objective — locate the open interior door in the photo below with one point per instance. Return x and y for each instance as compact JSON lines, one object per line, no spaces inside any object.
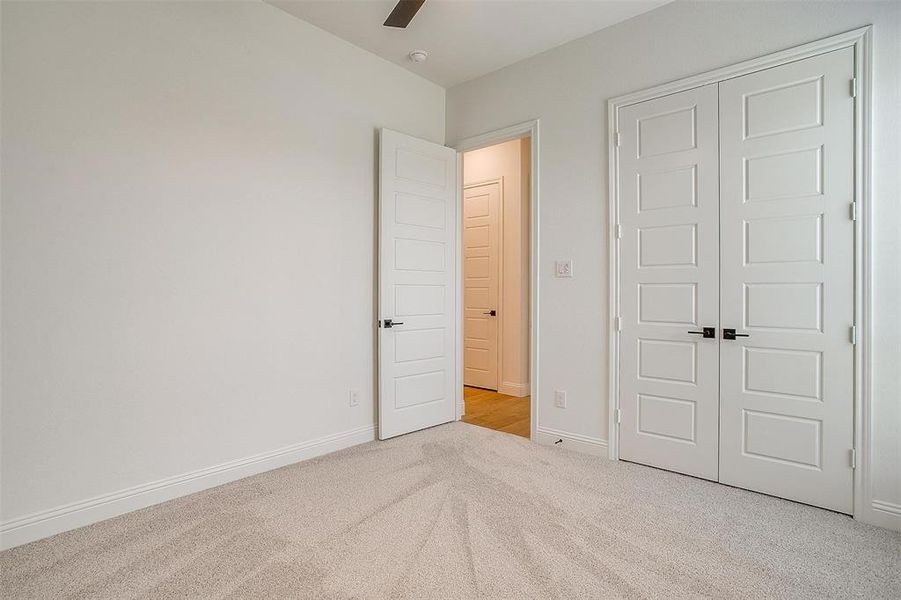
{"x":417,"y":284}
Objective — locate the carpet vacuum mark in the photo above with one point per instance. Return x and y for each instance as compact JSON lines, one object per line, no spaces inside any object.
{"x":458,"y":511}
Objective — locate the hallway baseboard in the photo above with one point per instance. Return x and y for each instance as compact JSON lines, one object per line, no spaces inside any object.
{"x":519,"y":390}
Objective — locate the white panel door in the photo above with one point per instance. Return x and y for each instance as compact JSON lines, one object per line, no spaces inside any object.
{"x":481,"y":257}
{"x":417,"y":235}
{"x":669,"y":258}
{"x":787,"y":168}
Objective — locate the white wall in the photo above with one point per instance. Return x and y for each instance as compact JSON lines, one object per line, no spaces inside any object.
{"x":510,"y":161}
{"x":567,"y":88}
{"x":188,"y":242}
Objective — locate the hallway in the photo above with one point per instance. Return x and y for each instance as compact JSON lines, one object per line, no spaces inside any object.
{"x":487,"y":408}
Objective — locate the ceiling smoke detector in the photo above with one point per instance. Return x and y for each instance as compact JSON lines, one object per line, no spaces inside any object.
{"x":418,"y":56}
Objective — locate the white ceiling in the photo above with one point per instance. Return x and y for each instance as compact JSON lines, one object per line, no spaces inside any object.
{"x":465,"y":38}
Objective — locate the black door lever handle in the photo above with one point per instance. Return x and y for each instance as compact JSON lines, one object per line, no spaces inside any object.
{"x":708,"y":332}
{"x":729,"y":334}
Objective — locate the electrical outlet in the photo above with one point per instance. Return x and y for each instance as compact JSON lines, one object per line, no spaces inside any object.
{"x":563,"y":268}
{"x":354,"y":397}
{"x":560,"y":399}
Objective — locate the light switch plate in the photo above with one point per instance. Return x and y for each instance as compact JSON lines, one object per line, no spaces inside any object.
{"x":560,"y":399}
{"x":354,"y":397}
{"x":563,"y":268}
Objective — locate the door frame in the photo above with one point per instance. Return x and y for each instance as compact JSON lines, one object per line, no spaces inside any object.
{"x":520,"y":130}
{"x":861,"y":41}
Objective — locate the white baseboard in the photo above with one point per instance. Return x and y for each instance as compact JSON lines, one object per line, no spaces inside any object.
{"x":883,"y":514}
{"x":571,"y":441}
{"x":78,"y":514}
{"x":514,"y":389}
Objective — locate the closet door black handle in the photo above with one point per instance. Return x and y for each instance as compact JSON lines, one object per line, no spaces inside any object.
{"x":708,"y":332}
{"x":729,"y":334}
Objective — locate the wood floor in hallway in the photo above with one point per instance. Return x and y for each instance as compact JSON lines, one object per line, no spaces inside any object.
{"x":487,"y":408}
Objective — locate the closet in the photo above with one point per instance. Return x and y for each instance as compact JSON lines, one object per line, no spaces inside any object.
{"x":736,"y":281}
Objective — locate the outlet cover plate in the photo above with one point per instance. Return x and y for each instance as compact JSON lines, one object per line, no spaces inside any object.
{"x":563,"y":268}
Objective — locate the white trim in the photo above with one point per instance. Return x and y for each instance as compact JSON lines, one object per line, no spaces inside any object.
{"x":883,"y":514}
{"x":890,"y":509}
{"x":85,"y":512}
{"x":865,"y":507}
{"x":527,"y":129}
{"x":854,"y":38}
{"x":613,"y":309}
{"x":571,"y":441}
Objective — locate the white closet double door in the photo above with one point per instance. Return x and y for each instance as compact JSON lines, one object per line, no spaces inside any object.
{"x":736,"y":215}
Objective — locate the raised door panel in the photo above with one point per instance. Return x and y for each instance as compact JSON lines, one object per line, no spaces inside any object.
{"x":669,"y":281}
{"x":786,"y":140}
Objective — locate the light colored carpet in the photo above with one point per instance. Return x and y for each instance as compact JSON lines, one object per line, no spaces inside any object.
{"x":458,"y":511}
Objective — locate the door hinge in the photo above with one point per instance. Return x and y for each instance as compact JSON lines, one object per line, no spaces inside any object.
{"x":618,"y":229}
{"x":618,"y":415}
{"x":618,"y":323}
{"x":854,"y":334}
{"x":854,"y":211}
{"x":854,"y":87}
{"x":617,"y":139}
{"x":853,"y":453}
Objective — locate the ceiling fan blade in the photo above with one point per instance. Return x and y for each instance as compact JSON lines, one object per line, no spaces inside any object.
{"x":403,"y":13}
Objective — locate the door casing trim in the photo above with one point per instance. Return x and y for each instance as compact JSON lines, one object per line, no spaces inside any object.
{"x":865,"y":507}
{"x":520,"y":130}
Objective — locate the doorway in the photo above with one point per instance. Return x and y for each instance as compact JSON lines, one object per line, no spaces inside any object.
{"x":420,"y":317}
{"x":496,"y":259}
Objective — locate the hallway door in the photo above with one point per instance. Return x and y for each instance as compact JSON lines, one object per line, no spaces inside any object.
{"x":481,"y":269}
